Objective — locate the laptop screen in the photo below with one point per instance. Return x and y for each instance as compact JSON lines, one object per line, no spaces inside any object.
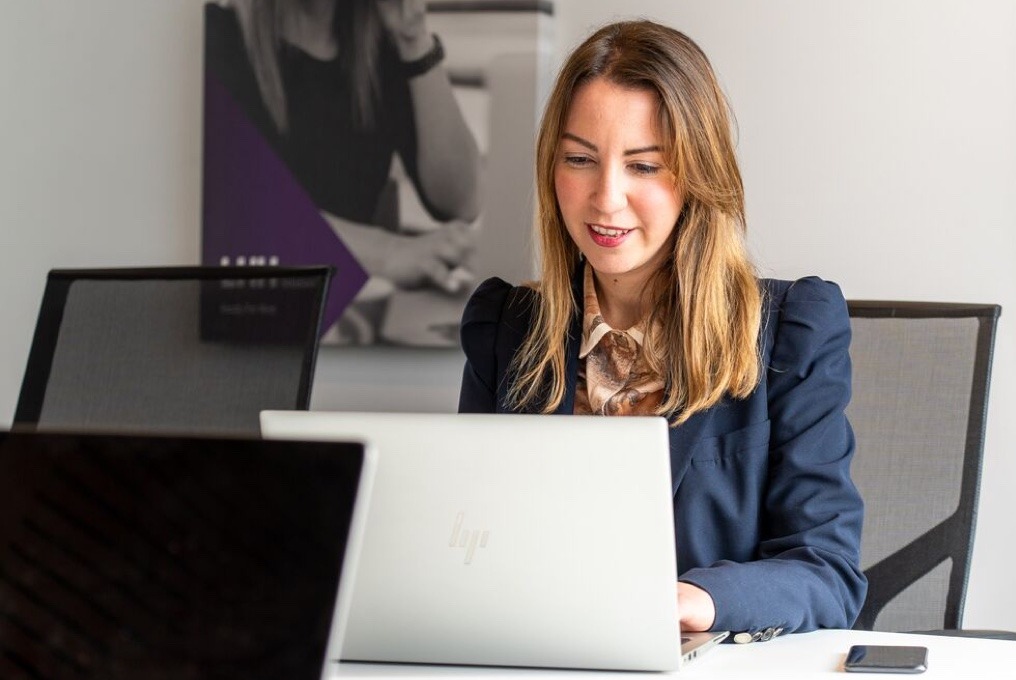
{"x":156,"y":557}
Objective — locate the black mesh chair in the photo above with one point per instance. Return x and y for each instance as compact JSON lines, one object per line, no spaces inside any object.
{"x":919,"y":405}
{"x":172,"y":349}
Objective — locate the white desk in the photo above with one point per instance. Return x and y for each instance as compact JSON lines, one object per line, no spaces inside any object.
{"x":806,"y":655}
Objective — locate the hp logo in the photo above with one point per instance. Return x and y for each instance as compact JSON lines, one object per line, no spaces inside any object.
{"x":470,"y":539}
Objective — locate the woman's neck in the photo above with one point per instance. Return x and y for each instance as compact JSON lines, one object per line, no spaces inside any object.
{"x":308,"y":26}
{"x":621,"y":300}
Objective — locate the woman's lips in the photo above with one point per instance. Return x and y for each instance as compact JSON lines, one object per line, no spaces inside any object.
{"x":606,"y":236}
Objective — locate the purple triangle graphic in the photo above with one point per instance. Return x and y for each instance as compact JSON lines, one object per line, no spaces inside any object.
{"x":254,"y":207}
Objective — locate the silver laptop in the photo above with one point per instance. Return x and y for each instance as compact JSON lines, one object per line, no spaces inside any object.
{"x":512,"y":540}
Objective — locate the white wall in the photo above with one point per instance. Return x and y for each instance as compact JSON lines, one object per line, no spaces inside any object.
{"x":100,"y":147}
{"x":877,"y":142}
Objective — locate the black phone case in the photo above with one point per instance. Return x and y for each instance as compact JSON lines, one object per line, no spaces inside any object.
{"x":886,"y":659}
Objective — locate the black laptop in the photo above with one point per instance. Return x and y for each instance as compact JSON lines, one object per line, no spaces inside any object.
{"x":173,"y":558}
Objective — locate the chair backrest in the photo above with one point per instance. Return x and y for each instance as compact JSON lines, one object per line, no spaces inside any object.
{"x":172,"y":349}
{"x":920,"y":390}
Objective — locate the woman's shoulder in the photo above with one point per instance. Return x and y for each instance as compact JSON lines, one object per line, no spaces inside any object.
{"x":221,"y":23}
{"x":809,"y":294}
{"x":804,"y":317}
{"x":226,"y":56}
{"x":495,"y":301}
{"x":494,"y":323}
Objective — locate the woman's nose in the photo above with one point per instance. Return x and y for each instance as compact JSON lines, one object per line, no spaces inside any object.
{"x":609,"y":192}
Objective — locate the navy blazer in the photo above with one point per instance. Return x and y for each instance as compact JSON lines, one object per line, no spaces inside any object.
{"x":767,"y":519}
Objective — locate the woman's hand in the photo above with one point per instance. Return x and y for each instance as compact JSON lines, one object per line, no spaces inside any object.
{"x":434,"y":258}
{"x":405,"y":21}
{"x":695,"y":607}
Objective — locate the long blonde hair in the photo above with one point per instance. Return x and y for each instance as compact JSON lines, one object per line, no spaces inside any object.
{"x":706,"y":300}
{"x":357,"y":28}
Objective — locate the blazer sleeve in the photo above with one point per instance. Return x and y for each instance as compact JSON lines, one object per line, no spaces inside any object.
{"x":807,"y":572}
{"x":479,"y":332}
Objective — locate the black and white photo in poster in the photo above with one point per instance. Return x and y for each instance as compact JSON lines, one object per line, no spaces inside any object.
{"x":409,"y":125}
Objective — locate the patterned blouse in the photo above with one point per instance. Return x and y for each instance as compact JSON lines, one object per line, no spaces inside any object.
{"x":614,"y":378}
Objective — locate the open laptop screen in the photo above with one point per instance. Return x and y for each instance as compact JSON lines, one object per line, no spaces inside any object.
{"x":154,"y":557}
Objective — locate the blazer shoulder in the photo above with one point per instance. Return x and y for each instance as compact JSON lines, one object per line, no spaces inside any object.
{"x":813,"y":288}
{"x":810,"y":302}
{"x":496,"y":301}
{"x":494,"y":323}
{"x":807,"y":327}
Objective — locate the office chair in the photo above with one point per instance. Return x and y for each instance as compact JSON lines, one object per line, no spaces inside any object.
{"x":920,"y":390}
{"x":172,"y":349}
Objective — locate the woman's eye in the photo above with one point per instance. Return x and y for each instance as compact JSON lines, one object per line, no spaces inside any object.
{"x":647,"y":169}
{"x":577,"y":161}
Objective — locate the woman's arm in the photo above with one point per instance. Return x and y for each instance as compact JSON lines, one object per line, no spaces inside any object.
{"x":447,"y":161}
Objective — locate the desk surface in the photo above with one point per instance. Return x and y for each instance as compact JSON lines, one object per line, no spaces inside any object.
{"x":807,"y":655}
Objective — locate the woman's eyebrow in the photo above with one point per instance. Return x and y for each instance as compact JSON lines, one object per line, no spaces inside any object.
{"x":584,"y":142}
{"x":643,"y":149}
{"x":592,"y":147}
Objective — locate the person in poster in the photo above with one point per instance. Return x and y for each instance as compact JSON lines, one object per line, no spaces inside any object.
{"x":340,"y":88}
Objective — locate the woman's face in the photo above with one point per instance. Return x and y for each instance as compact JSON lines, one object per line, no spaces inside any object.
{"x":617,"y":197}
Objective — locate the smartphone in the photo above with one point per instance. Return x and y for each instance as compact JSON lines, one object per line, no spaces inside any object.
{"x":886,"y":659}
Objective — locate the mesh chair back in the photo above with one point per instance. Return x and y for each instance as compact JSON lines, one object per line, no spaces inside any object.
{"x":172,"y":349}
{"x":920,"y":388}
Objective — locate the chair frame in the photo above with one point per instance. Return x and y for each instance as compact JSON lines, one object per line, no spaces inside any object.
{"x":892,"y":575}
{"x":58,"y":284}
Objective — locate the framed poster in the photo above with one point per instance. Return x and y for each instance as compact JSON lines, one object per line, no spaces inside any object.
{"x":391,"y":138}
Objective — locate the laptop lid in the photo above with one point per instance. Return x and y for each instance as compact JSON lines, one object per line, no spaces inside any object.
{"x":514,"y":540}
{"x":134,"y":556}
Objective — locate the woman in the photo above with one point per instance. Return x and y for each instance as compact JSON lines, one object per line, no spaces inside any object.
{"x":648,"y":304}
{"x":339,"y":88}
